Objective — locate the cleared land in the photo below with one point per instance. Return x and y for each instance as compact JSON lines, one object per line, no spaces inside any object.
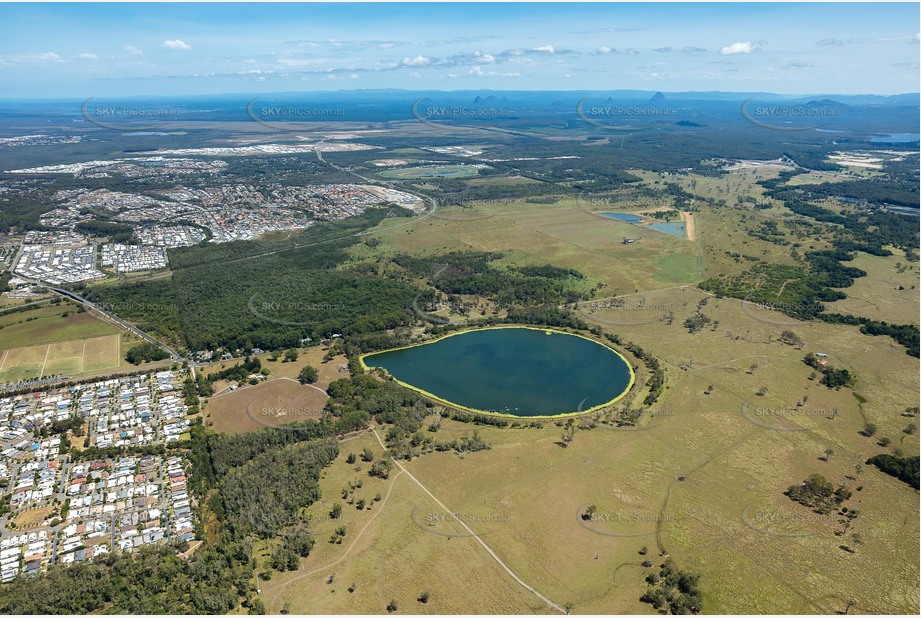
{"x":71,"y":358}
{"x":50,"y":324}
{"x":561,"y":234}
{"x":279,"y":400}
{"x":682,"y":485}
{"x":435,"y":171}
{"x":703,"y":478}
{"x":389,"y":553}
{"x":888,"y":293}
{"x":268,"y":404}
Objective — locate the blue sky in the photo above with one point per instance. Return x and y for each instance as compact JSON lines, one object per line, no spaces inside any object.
{"x":81,"y":50}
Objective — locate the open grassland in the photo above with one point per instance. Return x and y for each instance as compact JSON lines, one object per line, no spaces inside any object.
{"x":683,"y":484}
{"x":33,"y":517}
{"x":561,"y":234}
{"x":888,"y":293}
{"x":279,"y":400}
{"x":434,"y":171}
{"x":267,"y":404}
{"x":72,"y":358}
{"x":569,"y":233}
{"x":702,"y":481}
{"x":390,"y":552}
{"x":49,"y":324}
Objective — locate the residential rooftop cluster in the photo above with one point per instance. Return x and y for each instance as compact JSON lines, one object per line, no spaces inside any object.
{"x":131,"y":258}
{"x":39,"y":140}
{"x":169,"y":236}
{"x":134,"y":411}
{"x":59,"y":509}
{"x":141,"y":167}
{"x":58,"y":265}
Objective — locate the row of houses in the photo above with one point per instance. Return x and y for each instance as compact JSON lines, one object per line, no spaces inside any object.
{"x":91,"y":508}
{"x":24,"y":553}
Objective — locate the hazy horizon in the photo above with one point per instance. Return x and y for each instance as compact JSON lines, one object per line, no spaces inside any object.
{"x":74,"y":51}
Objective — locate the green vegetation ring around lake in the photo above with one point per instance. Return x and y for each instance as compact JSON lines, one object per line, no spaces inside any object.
{"x":515,"y":375}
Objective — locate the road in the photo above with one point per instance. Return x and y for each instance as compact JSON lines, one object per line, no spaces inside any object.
{"x":174,"y":355}
{"x":120,"y":322}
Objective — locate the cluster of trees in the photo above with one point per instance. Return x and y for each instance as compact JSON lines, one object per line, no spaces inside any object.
{"x":262,"y":497}
{"x":295,"y":544}
{"x":818,"y":494}
{"x":145,"y":352}
{"x":473,"y":272}
{"x":282,"y":295}
{"x":239,"y":372}
{"x":672,"y":590}
{"x":831,"y":377}
{"x":696,"y":322}
{"x":308,"y":375}
{"x":906,"y":335}
{"x":903,"y":468}
{"x":800,"y":291}
{"x":152,"y":580}
{"x":116,"y":232}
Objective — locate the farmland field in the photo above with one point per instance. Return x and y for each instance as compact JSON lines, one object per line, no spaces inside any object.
{"x":72,"y":357}
{"x":435,"y":171}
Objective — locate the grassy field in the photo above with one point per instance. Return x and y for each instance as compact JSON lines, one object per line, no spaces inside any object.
{"x":561,"y":234}
{"x":73,"y":357}
{"x":279,"y":400}
{"x":33,"y":517}
{"x":50,"y":324}
{"x":389,"y":553}
{"x":682,"y":485}
{"x":434,"y":171}
{"x":703,"y":480}
{"x":268,"y":404}
{"x":889,"y":292}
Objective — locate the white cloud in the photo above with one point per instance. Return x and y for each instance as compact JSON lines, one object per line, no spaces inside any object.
{"x":836,"y":42}
{"x":131,"y":49}
{"x":176,"y":44}
{"x":418,"y":61}
{"x":744,"y":47}
{"x":42,"y":57}
{"x":484,"y":58}
{"x":87,"y":56}
{"x":546,"y":49}
{"x":479,"y":72}
{"x":604,"y":49}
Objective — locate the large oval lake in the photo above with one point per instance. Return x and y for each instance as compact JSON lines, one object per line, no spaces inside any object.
{"x":511,"y":370}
